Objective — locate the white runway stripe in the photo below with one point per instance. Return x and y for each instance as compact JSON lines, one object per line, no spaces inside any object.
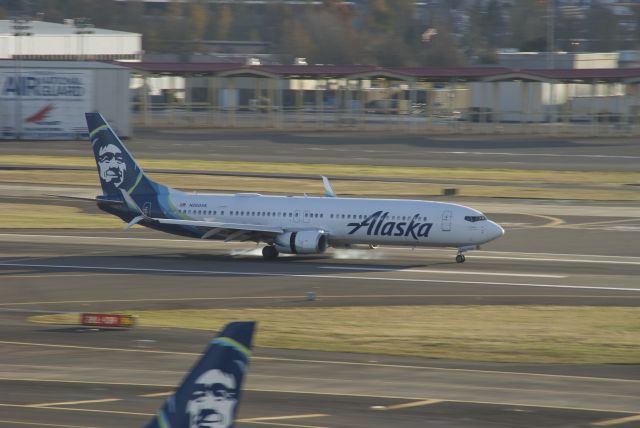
{"x":297,"y":275}
{"x":452,"y":272}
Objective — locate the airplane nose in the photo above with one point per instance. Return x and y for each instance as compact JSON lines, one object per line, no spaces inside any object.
{"x":496,"y":231}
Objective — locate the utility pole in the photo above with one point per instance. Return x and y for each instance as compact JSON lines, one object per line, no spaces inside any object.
{"x":551,"y":34}
{"x":83,"y":26}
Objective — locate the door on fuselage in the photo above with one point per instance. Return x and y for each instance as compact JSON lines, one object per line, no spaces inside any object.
{"x":446,"y":220}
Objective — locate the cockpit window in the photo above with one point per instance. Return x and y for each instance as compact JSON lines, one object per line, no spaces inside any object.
{"x":474,"y":218}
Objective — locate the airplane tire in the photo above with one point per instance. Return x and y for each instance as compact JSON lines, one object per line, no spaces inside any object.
{"x":460,"y":258}
{"x":269,"y":252}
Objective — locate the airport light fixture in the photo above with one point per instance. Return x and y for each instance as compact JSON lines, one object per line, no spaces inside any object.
{"x":21,"y":27}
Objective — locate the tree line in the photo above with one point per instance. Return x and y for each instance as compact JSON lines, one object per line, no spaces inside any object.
{"x":376,"y":32}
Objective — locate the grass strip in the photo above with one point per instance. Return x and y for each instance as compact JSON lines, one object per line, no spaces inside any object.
{"x":479,"y":174}
{"x":526,"y":334}
{"x":31,"y":216}
{"x":344,"y":188}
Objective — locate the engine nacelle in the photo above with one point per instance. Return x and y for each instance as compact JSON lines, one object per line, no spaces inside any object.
{"x":302,"y":242}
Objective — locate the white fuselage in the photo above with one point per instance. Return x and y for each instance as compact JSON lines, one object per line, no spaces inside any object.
{"x":346,"y":220}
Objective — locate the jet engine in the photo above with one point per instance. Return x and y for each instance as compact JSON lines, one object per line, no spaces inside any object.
{"x":302,"y":242}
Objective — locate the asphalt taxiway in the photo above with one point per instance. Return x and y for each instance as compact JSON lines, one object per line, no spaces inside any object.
{"x":81,"y":377}
{"x":374,"y":148}
{"x":561,"y":253}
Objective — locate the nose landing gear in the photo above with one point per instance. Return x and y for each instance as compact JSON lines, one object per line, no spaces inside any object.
{"x":461,"y":250}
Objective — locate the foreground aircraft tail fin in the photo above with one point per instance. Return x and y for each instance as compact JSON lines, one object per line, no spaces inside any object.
{"x":210,"y":393}
{"x":116,"y":167}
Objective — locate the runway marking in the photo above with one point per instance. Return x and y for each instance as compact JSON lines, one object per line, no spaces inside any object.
{"x":294,"y":275}
{"x":297,"y":296}
{"x":407,"y":405}
{"x":540,"y":154}
{"x":40,"y":424}
{"x":454,"y":272}
{"x":478,"y":254}
{"x":157,"y":394}
{"x":280,"y":424}
{"x":552,"y":221}
{"x":62,"y":275}
{"x":600,"y":223}
{"x":336,"y":394}
{"x":282,"y":418}
{"x":510,"y":254}
{"x":75,"y":409}
{"x":544,"y":259}
{"x":97,"y":348}
{"x":618,"y":421}
{"x":288,"y":360}
{"x":493,"y":403}
{"x":62,"y":403}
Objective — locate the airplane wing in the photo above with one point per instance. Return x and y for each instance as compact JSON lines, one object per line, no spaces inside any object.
{"x":231,"y":231}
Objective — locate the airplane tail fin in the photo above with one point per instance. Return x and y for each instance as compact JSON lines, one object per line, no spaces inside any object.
{"x":210,"y":393}
{"x":116,"y":167}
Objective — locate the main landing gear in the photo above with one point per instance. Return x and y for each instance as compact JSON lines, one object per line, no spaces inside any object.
{"x":270,"y":252}
{"x":461,"y":250}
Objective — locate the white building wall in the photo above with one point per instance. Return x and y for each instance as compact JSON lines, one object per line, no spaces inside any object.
{"x":111,"y":98}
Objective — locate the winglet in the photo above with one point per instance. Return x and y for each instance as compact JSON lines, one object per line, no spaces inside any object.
{"x":328,"y":190}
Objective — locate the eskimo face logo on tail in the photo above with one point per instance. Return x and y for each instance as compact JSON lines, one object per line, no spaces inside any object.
{"x":212,"y":400}
{"x":377,"y":225}
{"x":112,"y":165}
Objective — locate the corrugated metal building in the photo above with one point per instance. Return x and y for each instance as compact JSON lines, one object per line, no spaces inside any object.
{"x":71,"y":40}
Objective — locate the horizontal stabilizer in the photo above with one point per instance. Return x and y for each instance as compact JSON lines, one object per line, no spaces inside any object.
{"x":134,"y":222}
{"x":88,"y":199}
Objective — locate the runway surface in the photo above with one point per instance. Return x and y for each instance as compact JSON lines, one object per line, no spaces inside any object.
{"x":597,"y":154}
{"x":554,"y":253}
{"x":79,"y":377}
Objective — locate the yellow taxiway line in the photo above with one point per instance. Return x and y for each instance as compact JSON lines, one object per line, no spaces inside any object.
{"x":63,"y":403}
{"x":617,"y":421}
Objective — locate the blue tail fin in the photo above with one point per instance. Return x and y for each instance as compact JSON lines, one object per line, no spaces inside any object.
{"x":116,"y":167}
{"x":210,"y":393}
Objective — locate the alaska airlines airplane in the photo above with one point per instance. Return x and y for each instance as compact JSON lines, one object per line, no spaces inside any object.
{"x":286,"y":224}
{"x":209,"y":395}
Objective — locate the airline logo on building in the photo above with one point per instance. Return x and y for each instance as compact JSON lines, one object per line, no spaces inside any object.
{"x":44,"y":104}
